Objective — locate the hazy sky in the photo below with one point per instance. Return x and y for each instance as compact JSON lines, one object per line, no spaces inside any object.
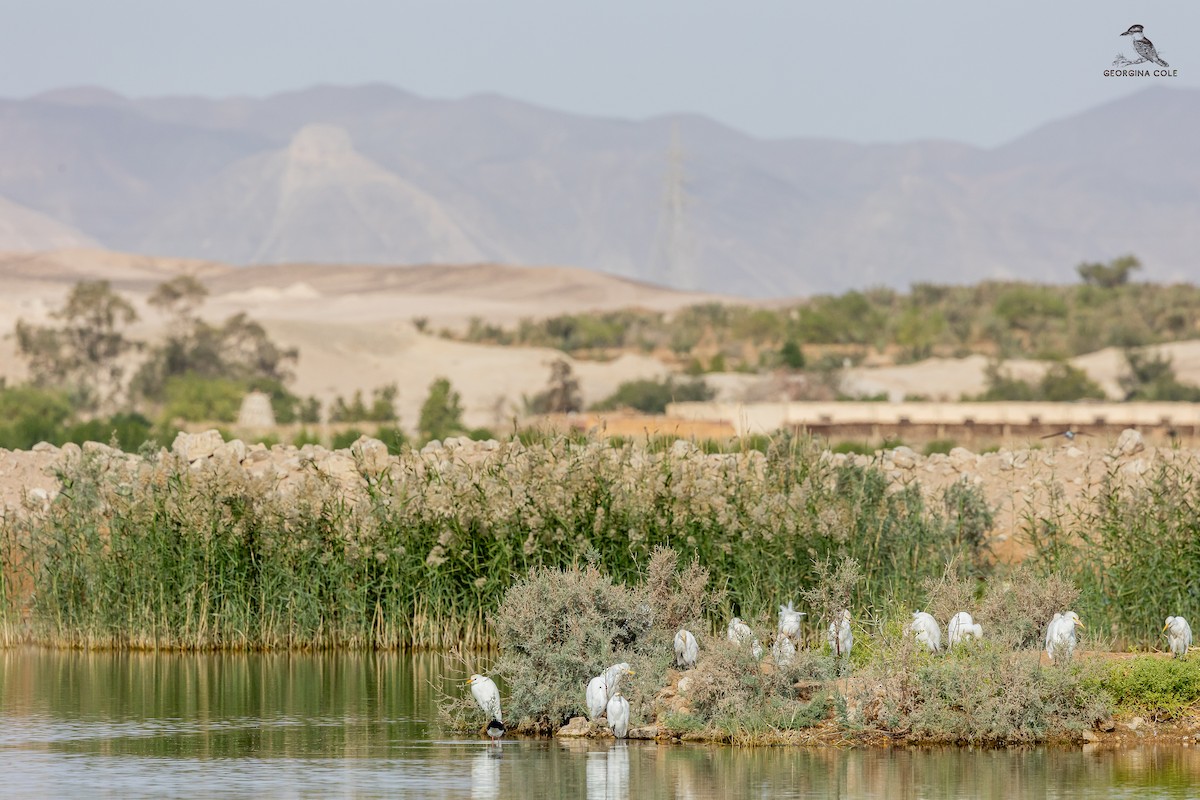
{"x":976,"y":72}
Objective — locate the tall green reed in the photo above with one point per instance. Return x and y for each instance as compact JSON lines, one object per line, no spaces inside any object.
{"x":1133,"y":550}
{"x":418,"y":551}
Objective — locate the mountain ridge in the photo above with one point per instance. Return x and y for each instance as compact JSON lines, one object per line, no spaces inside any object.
{"x":488,"y":178}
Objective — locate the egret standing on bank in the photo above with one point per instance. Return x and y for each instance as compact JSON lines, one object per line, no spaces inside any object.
{"x":486,"y":694}
{"x":1060,"y":635}
{"x":783,"y":650}
{"x":618,"y":715}
{"x":1179,"y":635}
{"x":841,"y":638}
{"x":789,"y":621}
{"x":686,"y":649}
{"x":961,"y":628}
{"x":927,"y":630}
{"x":739,"y":632}
{"x":602,"y":687}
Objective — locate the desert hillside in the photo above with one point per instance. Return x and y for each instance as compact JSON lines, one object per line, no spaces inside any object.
{"x":358,"y":327}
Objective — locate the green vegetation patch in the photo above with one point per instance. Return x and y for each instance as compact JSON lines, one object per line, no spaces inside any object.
{"x":1162,"y":689}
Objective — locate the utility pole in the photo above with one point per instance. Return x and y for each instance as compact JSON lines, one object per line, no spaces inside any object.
{"x":673,"y":260}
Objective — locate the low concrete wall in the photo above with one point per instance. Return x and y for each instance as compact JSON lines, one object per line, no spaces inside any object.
{"x":1001,"y":418}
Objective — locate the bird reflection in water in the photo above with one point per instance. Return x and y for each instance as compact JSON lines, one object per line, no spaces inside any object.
{"x":608,"y":773}
{"x":485,"y":772}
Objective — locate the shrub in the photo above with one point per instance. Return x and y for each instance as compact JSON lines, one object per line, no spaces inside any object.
{"x":441,"y":413}
{"x":29,"y":415}
{"x":985,"y":694}
{"x":195,"y":398}
{"x":305,"y":436}
{"x":981,"y":694}
{"x":943,"y":446}
{"x":1016,"y":609}
{"x":557,"y":628}
{"x":1161,"y":689}
{"x":128,"y":431}
{"x":344,"y":439}
{"x":833,"y":590}
{"x":652,"y":396}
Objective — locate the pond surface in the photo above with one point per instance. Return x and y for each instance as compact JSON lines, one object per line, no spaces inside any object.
{"x":295,"y":726}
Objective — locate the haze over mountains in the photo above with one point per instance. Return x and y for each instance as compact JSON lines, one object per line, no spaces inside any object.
{"x":373,"y":174}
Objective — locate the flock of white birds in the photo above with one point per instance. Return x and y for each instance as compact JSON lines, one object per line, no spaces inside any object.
{"x":604,"y":698}
{"x":787,"y":637}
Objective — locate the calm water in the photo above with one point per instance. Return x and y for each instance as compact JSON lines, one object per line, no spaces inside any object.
{"x":146,"y":725}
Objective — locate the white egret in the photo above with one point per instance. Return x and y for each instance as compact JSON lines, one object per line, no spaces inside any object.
{"x":784,"y":650}
{"x":962,"y":627}
{"x":597,"y":697}
{"x":486,"y":695}
{"x":686,"y":649}
{"x":927,"y":630}
{"x":618,"y":715}
{"x":739,"y":632}
{"x":1060,"y":634}
{"x":789,"y":621}
{"x":1179,"y":635}
{"x":841,"y":638}
{"x":601,"y":688}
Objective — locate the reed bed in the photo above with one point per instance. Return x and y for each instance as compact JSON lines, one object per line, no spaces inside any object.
{"x":418,"y":551}
{"x":1134,"y":551}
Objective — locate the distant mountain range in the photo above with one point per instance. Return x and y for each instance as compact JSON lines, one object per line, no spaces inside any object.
{"x":374,"y":174}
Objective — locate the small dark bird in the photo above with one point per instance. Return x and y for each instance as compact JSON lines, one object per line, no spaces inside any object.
{"x":1143,"y":46}
{"x":496,"y":729}
{"x":1070,"y":434}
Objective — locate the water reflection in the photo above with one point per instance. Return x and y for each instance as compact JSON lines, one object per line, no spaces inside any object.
{"x":608,"y":773}
{"x":175,"y":725}
{"x":485,"y":772}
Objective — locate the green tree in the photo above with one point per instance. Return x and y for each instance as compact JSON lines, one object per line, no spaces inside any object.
{"x":441,"y":413}
{"x":1063,"y":383}
{"x":197,"y":398}
{"x":383,"y":403}
{"x":652,"y":397}
{"x":382,"y":408}
{"x":310,"y":410}
{"x":179,"y":299}
{"x":791,"y":355}
{"x":917,"y":331}
{"x":84,"y":355}
{"x":1001,"y":385}
{"x":561,"y":396}
{"x":1115,"y":273}
{"x":29,"y":414}
{"x":238,"y":352}
{"x":353,"y":411}
{"x":1151,"y":377}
